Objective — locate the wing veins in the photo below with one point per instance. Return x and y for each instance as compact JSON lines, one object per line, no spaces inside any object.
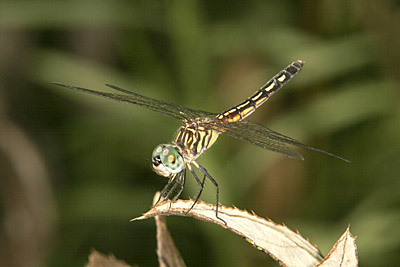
{"x":172,"y":110}
{"x":263,"y":139}
{"x":266,"y":138}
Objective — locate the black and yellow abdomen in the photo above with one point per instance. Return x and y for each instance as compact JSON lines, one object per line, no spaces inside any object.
{"x":248,"y":106}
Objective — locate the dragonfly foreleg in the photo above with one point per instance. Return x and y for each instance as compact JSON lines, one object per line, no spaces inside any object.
{"x":165,"y":189}
{"x":170,"y":187}
{"x":181,"y":181}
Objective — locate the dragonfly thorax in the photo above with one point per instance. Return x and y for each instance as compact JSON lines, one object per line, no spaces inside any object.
{"x":194,"y":138}
{"x":167,"y":161}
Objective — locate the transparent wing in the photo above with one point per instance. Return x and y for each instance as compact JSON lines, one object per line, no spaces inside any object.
{"x":266,"y":138}
{"x":258,"y":135}
{"x":172,"y":110}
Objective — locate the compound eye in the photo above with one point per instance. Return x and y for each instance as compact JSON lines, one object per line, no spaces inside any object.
{"x":171,"y":159}
{"x":157,"y":153}
{"x":167,"y":161}
{"x":157,"y":164}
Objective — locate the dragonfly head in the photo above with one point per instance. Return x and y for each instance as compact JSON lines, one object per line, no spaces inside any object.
{"x":167,"y":161}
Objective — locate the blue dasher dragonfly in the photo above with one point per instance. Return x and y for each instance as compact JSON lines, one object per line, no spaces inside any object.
{"x":200,"y":129}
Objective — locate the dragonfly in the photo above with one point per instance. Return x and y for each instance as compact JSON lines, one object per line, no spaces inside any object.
{"x":200,"y":130}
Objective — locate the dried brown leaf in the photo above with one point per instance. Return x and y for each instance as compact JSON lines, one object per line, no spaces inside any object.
{"x":287,"y":247}
{"x":168,"y":254}
{"x":96,"y":259}
{"x":343,"y":253}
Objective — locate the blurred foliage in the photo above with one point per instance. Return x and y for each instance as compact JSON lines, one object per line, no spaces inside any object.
{"x":207,"y":55}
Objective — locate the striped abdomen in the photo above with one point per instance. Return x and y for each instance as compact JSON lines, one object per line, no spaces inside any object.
{"x":194,"y":139}
{"x":244,"y":109}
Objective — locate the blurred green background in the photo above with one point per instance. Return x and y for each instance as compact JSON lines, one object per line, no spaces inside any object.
{"x":75,"y":168}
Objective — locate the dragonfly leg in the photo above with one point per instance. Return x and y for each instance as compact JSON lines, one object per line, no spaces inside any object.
{"x":170,"y":187}
{"x":169,"y":193}
{"x":181,"y":181}
{"x":166,"y":191}
{"x":162,"y":193}
{"x":203,"y":170}
{"x":201,"y":184}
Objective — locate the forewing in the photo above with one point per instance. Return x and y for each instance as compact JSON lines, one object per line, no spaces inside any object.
{"x":172,"y":110}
